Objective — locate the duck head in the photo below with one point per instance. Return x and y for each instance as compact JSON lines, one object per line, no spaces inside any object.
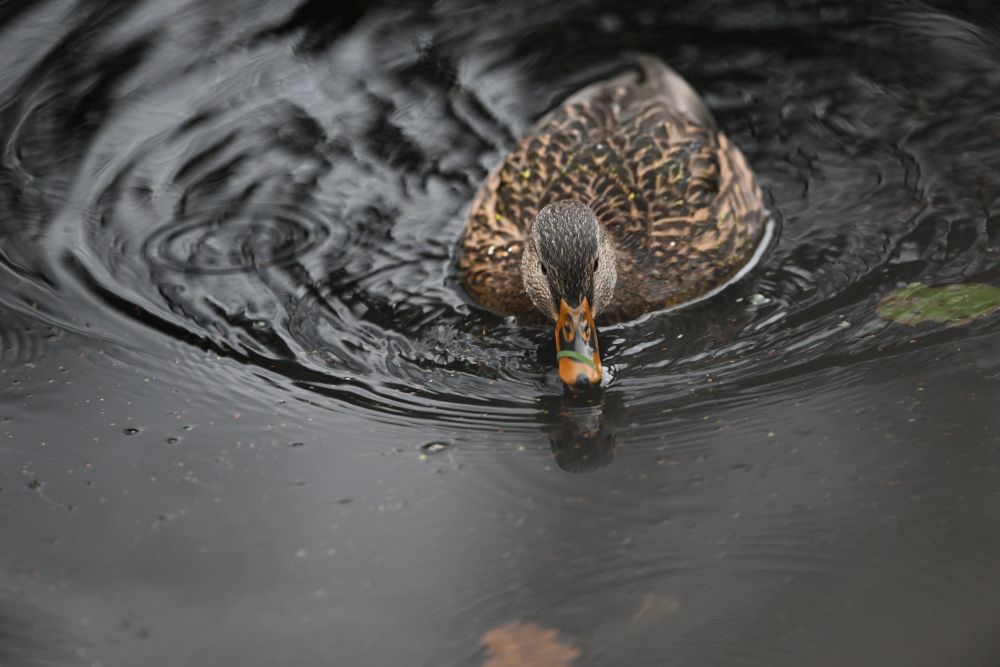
{"x":569,"y":272}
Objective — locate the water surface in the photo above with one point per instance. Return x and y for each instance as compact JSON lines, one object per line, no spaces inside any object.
{"x":250,"y":416}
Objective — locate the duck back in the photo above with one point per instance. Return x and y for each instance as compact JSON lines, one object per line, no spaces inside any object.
{"x":679,"y":201}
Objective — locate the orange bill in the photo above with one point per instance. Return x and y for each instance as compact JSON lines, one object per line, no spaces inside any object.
{"x":576,"y":342}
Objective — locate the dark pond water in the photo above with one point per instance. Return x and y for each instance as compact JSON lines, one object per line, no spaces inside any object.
{"x":249,"y":417}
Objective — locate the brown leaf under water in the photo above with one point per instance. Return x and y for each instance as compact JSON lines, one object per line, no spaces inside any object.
{"x":527,"y":645}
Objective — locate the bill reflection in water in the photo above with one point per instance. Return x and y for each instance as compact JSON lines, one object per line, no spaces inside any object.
{"x":581,"y":428}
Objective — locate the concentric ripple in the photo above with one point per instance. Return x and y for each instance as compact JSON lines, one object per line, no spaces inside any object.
{"x":219,"y":244}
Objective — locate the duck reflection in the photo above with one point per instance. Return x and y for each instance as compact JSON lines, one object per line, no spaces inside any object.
{"x":581,"y":428}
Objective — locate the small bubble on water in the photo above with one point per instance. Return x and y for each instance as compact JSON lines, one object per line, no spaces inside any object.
{"x":130,"y":431}
{"x":609,"y":23}
{"x":433,"y":447}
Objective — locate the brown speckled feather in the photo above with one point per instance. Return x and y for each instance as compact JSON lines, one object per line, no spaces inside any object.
{"x":679,"y":201}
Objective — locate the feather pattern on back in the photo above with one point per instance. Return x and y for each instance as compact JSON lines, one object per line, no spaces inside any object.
{"x":679,"y":201}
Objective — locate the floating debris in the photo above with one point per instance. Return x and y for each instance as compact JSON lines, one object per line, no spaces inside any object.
{"x":527,"y":645}
{"x":433,"y":447}
{"x":954,"y":304}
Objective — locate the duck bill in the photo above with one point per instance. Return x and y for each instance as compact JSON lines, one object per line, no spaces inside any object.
{"x":576,"y":342}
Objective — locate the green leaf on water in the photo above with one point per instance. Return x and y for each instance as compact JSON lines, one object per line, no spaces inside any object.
{"x":954,"y":304}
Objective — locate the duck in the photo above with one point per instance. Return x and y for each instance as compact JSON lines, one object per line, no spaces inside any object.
{"x":623,"y":200}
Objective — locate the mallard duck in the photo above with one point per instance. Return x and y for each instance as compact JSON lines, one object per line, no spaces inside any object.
{"x":623,"y":200}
